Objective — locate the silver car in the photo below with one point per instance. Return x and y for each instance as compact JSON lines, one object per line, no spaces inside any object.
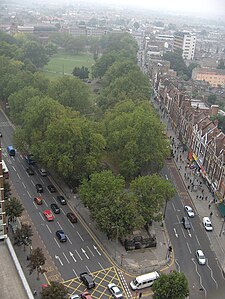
{"x":115,"y":291}
{"x":189,"y":211}
{"x":200,"y":257}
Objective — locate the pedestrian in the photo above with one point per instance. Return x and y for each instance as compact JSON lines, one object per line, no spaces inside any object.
{"x":190,"y":181}
{"x":34,"y":292}
{"x":206,"y":198}
{"x":202,"y":191}
{"x":210,"y":215}
{"x":188,"y":187}
{"x":200,"y":197}
{"x":209,"y":206}
{"x":196,"y":196}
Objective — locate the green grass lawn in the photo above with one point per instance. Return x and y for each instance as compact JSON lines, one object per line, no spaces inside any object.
{"x":62,"y":63}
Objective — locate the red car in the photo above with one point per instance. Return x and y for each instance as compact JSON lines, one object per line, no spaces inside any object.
{"x":85,"y":295}
{"x":48,"y":215}
{"x":38,"y":200}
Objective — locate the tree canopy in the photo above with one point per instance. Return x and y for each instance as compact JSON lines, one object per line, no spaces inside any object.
{"x":55,"y":290}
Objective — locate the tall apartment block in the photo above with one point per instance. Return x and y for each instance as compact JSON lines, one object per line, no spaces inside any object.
{"x":3,"y":231}
{"x":186,"y":42}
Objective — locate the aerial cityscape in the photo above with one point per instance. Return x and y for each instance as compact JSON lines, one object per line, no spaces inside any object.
{"x":112,"y":149}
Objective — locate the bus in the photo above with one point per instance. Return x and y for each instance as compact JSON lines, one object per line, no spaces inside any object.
{"x":5,"y":170}
{"x":11,"y":150}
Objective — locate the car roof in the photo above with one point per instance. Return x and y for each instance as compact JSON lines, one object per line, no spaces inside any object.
{"x":200,"y":251}
{"x":47,"y":212}
{"x":207,"y":219}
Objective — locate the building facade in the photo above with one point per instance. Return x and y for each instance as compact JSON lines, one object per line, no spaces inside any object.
{"x":215,"y":77}
{"x":185,"y":42}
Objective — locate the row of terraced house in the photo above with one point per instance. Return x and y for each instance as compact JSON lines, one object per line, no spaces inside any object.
{"x":199,"y":135}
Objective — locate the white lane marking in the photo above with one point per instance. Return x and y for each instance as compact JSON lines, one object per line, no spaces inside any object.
{"x":78,"y":255}
{"x":221,"y":269}
{"x":45,"y":202}
{"x":178,"y":219}
{"x":84,"y":252}
{"x":63,"y":212}
{"x":48,"y":228}
{"x":90,"y":250}
{"x":35,"y":205}
{"x":200,"y":278}
{"x":41,"y":216}
{"x":178,"y":266}
{"x":66,"y":258}
{"x":80,"y":236}
{"x":188,"y":247}
{"x":18,"y":175}
{"x":57,"y":243}
{"x":71,"y":223}
{"x":197,"y":240}
{"x":75,"y":273}
{"x":69,"y":240}
{"x":211,"y":273}
{"x":183,"y":233}
{"x":23,"y":167}
{"x":95,"y":248}
{"x":189,"y":233}
{"x":124,"y":283}
{"x":173,"y":206}
{"x":14,"y":168}
{"x":88,"y":269}
{"x":101,"y":267}
{"x":58,"y":258}
{"x":24,"y":185}
{"x":28,"y":194}
{"x":72,"y":255}
{"x":32,"y":183}
{"x":59,"y":225}
{"x":175,"y":232}
{"x":54,"y":199}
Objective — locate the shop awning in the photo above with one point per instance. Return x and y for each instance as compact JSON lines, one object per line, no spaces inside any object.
{"x":221,"y":207}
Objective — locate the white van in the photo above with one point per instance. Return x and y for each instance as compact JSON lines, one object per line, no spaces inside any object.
{"x":144,"y":281}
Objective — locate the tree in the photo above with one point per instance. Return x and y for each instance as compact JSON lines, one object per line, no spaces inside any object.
{"x":51,"y":49}
{"x":171,"y":286}
{"x":176,"y":62}
{"x":114,"y":210}
{"x":81,"y":72}
{"x":36,"y":53}
{"x":55,"y":290}
{"x":152,"y":192}
{"x":36,"y":261}
{"x":212,"y":99}
{"x":13,"y":208}
{"x":23,"y":235}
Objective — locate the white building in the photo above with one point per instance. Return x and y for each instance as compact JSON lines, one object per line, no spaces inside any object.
{"x":186,"y":42}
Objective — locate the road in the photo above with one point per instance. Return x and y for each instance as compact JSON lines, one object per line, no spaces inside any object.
{"x":82,"y":252}
{"x":204,"y":280}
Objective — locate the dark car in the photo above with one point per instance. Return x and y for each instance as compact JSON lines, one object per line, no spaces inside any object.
{"x":55,"y":208}
{"x":87,"y":279}
{"x":186,"y":223}
{"x":72,"y":217}
{"x":30,"y":171}
{"x":61,"y":236}
{"x":0,"y":134}
{"x":51,"y":188}
{"x":39,"y":188}
{"x":61,"y":199}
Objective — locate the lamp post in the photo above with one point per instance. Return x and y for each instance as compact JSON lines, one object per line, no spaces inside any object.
{"x":222,"y":227}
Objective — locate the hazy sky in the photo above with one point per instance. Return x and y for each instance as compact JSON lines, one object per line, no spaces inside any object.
{"x":204,"y":6}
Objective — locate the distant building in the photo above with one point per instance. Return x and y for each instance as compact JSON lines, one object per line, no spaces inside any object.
{"x":215,"y":77}
{"x":185,"y":42}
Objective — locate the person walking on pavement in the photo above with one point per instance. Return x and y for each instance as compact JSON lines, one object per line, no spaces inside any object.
{"x":209,"y":206}
{"x":34,"y":292}
{"x":210,"y":215}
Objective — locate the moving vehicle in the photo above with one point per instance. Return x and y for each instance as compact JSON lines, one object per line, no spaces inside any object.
{"x":61,"y":199}
{"x":30,"y":159}
{"x":144,"y":281}
{"x":61,"y":235}
{"x":11,"y":151}
{"x":55,"y":208}
{"x":39,"y":188}
{"x":207,"y":223}
{"x":87,"y":280}
{"x":74,"y":296}
{"x":5,"y":170}
{"x":186,"y":223}
{"x":189,"y":211}
{"x":115,"y":291}
{"x":72,"y":217}
{"x":200,"y":257}
{"x":48,"y":215}
{"x":30,"y":171}
{"x":38,"y":200}
{"x":51,"y":188}
{"x":85,"y":295}
{"x":43,"y":172}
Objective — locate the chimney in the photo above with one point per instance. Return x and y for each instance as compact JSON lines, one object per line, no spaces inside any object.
{"x":214,"y":110}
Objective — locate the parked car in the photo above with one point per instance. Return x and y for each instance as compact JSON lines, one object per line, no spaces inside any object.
{"x":200,"y":257}
{"x":115,"y":291}
{"x":87,"y":280}
{"x":72,"y":217}
{"x":51,"y":188}
{"x":55,"y":208}
{"x":207,"y":223}
{"x":38,"y":200}
{"x":39,"y":188}
{"x":61,"y":199}
{"x":43,"y":172}
{"x":85,"y":295}
{"x":61,"y":236}
{"x":48,"y":215}
{"x":0,"y":134}
{"x":30,"y":171}
{"x":74,"y":296}
{"x":189,"y":211}
{"x":186,"y":223}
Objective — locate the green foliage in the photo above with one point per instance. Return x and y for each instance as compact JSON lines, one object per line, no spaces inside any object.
{"x":152,"y":192}
{"x":13,"y":208}
{"x":10,"y":50}
{"x":114,"y":210}
{"x":55,"y":290}
{"x":171,"y":286}
{"x":71,"y":92}
{"x":135,"y":139}
{"x":212,"y":99}
{"x":102,"y":65}
{"x":51,"y":49}
{"x":36,"y":261}
{"x":36,"y":53}
{"x":177,"y":63}
{"x":81,"y":72}
{"x":23,"y":235}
